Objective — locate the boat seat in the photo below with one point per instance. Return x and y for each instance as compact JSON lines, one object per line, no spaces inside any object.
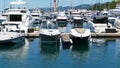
{"x":110,"y":30}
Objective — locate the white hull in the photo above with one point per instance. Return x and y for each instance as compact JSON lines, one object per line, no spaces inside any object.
{"x":49,"y":35}
{"x":80,"y":36}
{"x":11,"y":37}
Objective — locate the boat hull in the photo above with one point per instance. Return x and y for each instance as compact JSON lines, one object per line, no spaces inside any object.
{"x":49,"y":39}
{"x":13,"y":41}
{"x":80,"y":40}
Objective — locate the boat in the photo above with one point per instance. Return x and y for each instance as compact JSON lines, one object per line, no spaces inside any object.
{"x":100,"y":22}
{"x":10,"y":37}
{"x":49,"y":33}
{"x":80,"y":34}
{"x":61,"y":16}
{"x":18,"y":16}
{"x":76,"y":17}
{"x":62,"y":19}
{"x":36,"y":14}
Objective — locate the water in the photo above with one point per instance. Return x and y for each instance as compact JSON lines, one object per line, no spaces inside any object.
{"x":99,"y":53}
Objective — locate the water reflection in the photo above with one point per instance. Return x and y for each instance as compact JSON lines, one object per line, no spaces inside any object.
{"x":98,"y":42}
{"x":11,"y":51}
{"x":50,"y":51}
{"x":80,"y":52}
{"x":102,"y":41}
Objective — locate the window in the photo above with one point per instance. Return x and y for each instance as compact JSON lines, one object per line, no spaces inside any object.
{"x":15,"y":17}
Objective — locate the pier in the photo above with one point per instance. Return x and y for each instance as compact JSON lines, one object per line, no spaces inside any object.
{"x":105,"y":35}
{"x":65,"y":39}
{"x":34,"y":34}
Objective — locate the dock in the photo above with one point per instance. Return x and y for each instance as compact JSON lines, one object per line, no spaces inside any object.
{"x":34,"y":34}
{"x":65,"y":39}
{"x":105,"y":35}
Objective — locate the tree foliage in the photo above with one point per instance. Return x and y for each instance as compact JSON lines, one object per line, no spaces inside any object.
{"x":107,"y":5}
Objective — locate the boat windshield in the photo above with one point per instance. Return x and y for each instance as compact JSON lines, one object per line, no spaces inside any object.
{"x":48,"y":25}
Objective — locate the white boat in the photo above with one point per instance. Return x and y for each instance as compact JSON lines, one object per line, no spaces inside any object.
{"x":80,"y":34}
{"x":36,"y":14}
{"x":49,"y":34}
{"x":116,"y":10}
{"x":61,"y":16}
{"x":18,"y":14}
{"x":62,"y":19}
{"x":100,"y":22}
{"x":11,"y":37}
{"x":76,"y":17}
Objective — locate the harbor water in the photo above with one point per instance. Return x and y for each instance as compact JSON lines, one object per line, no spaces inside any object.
{"x":98,"y":53}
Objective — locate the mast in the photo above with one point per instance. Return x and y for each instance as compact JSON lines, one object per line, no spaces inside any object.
{"x":4,"y":6}
{"x":50,"y":5}
{"x":71,"y":4}
{"x":55,"y":6}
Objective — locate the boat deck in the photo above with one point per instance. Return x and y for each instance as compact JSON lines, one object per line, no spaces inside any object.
{"x":34,"y":34}
{"x":105,"y":35}
{"x":80,"y":30}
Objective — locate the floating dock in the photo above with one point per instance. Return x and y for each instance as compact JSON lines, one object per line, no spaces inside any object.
{"x":65,"y":39}
{"x":34,"y":34}
{"x":105,"y":35}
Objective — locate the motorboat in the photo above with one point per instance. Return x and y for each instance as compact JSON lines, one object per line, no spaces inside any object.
{"x":49,"y":33}
{"x":18,"y":14}
{"x":80,"y":34}
{"x":62,"y":19}
{"x":11,"y":37}
{"x":76,"y":17}
{"x":100,"y":22}
{"x":36,"y":14}
{"x":61,"y":16}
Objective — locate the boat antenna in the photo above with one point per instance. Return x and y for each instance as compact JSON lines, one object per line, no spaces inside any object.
{"x":50,"y":5}
{"x":4,"y":6}
{"x":81,"y":5}
{"x":99,"y":5}
{"x":71,"y":4}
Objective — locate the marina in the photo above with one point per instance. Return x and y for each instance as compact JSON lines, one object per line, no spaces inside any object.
{"x":59,"y":37}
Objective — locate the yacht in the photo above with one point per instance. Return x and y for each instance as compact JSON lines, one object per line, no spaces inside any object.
{"x":49,"y":33}
{"x":18,"y":17}
{"x":100,"y":22}
{"x":36,"y":14}
{"x":10,"y":37}
{"x":62,"y":19}
{"x":61,"y":16}
{"x":76,"y":17}
{"x":80,"y":34}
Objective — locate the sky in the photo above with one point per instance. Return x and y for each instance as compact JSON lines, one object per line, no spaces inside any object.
{"x":46,"y":3}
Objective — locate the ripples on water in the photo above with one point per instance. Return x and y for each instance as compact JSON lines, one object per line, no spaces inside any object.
{"x":98,"y":53}
{"x":33,"y":54}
